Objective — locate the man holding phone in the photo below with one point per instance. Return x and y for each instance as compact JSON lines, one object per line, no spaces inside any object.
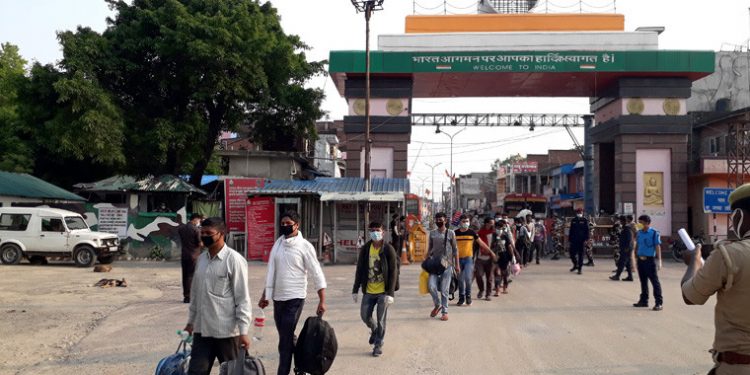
{"x":725,"y":273}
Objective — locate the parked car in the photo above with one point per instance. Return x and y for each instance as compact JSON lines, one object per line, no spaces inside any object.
{"x":38,"y":233}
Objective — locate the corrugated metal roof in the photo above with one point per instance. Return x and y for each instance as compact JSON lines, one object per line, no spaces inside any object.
{"x":362,"y":196}
{"x":28,"y":186}
{"x":162,"y":184}
{"x":334,"y":185}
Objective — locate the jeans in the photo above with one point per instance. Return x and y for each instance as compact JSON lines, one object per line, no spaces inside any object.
{"x":286,"y":315}
{"x":444,"y":281}
{"x":206,"y":350}
{"x":376,"y":325}
{"x":624,"y":263}
{"x":464,"y":279}
{"x":646,"y":273}
{"x":485,"y":275}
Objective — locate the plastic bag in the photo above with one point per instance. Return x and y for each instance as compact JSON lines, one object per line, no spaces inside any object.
{"x":424,"y":279}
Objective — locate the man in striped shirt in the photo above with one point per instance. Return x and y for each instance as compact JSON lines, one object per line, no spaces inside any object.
{"x":220,"y":312}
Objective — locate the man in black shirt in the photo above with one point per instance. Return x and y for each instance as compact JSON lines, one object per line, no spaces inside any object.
{"x":626,"y":247}
{"x":578,"y":235}
{"x":190,"y":238}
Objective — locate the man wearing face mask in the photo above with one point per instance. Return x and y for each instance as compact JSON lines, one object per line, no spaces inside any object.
{"x":578,"y":235}
{"x":465,"y":240}
{"x":442,"y":243}
{"x":292,"y":258}
{"x":219,"y":318}
{"x":190,"y":242}
{"x":377,"y":275}
{"x":725,"y":273}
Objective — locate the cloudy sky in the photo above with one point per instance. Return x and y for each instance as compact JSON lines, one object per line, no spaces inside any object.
{"x":328,"y":25}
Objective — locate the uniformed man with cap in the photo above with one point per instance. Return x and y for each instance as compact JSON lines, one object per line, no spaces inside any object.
{"x":578,"y":235}
{"x":726,"y":272}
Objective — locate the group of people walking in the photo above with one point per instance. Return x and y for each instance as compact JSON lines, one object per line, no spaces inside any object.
{"x":220,"y":307}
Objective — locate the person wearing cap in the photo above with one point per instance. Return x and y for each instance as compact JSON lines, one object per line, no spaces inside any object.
{"x":578,"y":235}
{"x":725,"y":273}
{"x":648,"y":251}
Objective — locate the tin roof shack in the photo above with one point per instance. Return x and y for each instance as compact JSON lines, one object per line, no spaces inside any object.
{"x":331,"y":212}
{"x":146,"y":211}
{"x":27,"y":190}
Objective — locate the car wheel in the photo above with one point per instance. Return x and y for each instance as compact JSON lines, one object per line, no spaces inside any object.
{"x":84,"y":256}
{"x":106,"y":259}
{"x":10,"y":254}
{"x":38,"y":260}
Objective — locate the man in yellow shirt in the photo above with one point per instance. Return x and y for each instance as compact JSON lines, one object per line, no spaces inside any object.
{"x":465,"y":240}
{"x":377,"y":275}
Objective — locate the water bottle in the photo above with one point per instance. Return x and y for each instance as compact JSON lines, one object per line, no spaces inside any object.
{"x":259,"y":321}
{"x":185,"y":336}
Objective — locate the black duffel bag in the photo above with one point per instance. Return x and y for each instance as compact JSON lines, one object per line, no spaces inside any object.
{"x":436,"y":264}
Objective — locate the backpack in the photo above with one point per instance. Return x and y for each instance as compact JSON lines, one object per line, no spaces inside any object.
{"x":316,"y":347}
{"x":246,"y":365}
{"x":175,"y":364}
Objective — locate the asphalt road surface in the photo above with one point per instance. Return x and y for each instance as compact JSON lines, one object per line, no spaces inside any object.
{"x":53,"y":321}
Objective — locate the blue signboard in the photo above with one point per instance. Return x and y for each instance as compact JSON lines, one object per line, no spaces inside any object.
{"x":716,"y":200}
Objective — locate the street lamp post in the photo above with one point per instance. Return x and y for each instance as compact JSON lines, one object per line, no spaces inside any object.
{"x":367,"y":7}
{"x":432,"y":192}
{"x":438,"y":131}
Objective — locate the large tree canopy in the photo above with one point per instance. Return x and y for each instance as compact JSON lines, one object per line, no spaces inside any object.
{"x":153,"y":92}
{"x":182,"y":71}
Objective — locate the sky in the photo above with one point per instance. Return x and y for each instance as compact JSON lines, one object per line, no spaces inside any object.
{"x":327,"y":25}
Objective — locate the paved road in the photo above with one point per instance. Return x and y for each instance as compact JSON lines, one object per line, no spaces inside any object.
{"x":552,"y":322}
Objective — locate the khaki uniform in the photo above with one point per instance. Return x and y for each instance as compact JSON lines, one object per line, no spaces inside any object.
{"x":727,"y":273}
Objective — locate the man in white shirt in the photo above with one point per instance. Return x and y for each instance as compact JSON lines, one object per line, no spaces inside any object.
{"x":291,"y":259}
{"x":220,"y":312}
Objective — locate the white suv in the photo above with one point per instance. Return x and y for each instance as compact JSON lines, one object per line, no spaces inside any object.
{"x":38,"y":233}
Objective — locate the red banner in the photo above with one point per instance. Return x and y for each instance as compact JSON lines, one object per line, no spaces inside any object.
{"x":260,"y":227}
{"x":235,"y":197}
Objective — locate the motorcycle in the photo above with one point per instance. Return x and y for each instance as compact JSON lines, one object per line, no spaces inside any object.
{"x":678,"y":247}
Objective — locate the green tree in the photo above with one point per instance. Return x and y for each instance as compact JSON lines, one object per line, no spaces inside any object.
{"x":183,"y":71}
{"x":15,"y":153}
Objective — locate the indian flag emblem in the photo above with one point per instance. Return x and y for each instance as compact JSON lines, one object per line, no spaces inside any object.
{"x":443,"y":67}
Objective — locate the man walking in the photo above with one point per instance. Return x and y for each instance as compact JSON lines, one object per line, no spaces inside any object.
{"x":377,"y":275}
{"x":219,"y":313}
{"x":578,"y":236}
{"x":190,"y":241}
{"x":648,"y":250}
{"x":626,"y":247}
{"x":465,"y":240}
{"x":292,"y":259}
{"x":540,"y":237}
{"x":485,"y":264}
{"x":725,"y":274}
{"x":442,"y":243}
{"x":396,"y":234}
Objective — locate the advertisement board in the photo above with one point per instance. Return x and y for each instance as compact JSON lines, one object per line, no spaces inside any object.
{"x":113,"y":220}
{"x":525,"y":167}
{"x":469,"y":186}
{"x":260,"y":227}
{"x":235,"y":198}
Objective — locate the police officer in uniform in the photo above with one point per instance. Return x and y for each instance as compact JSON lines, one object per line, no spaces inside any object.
{"x":578,"y":236}
{"x":726,"y":273}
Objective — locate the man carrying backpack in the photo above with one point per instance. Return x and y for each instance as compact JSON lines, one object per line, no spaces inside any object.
{"x":377,"y":275}
{"x":442,"y":244}
{"x":292,"y":259}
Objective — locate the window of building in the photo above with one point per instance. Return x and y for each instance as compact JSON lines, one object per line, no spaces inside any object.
{"x":714,"y":145}
{"x":14,"y":222}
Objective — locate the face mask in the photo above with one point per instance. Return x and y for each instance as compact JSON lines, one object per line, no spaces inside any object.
{"x":286,"y":229}
{"x":736,"y":228}
{"x":579,"y":215}
{"x":440,"y":224}
{"x":465,"y":225}
{"x":376,"y":236}
{"x":207,"y":240}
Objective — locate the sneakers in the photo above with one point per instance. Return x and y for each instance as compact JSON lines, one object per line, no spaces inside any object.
{"x":615,"y":278}
{"x":573,"y":269}
{"x":468,"y":300}
{"x":377,"y":351}
{"x":372,"y":338}
{"x":434,"y":311}
{"x":579,"y":271}
{"x":479,"y":295}
{"x":640,"y":304}
{"x":658,"y":308}
{"x":460,"y":301}
{"x":186,"y":300}
{"x":444,"y":317}
{"x":487,"y":298}
{"x":628,"y":278}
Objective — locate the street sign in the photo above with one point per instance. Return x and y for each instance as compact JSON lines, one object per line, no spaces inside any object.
{"x":715,"y":200}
